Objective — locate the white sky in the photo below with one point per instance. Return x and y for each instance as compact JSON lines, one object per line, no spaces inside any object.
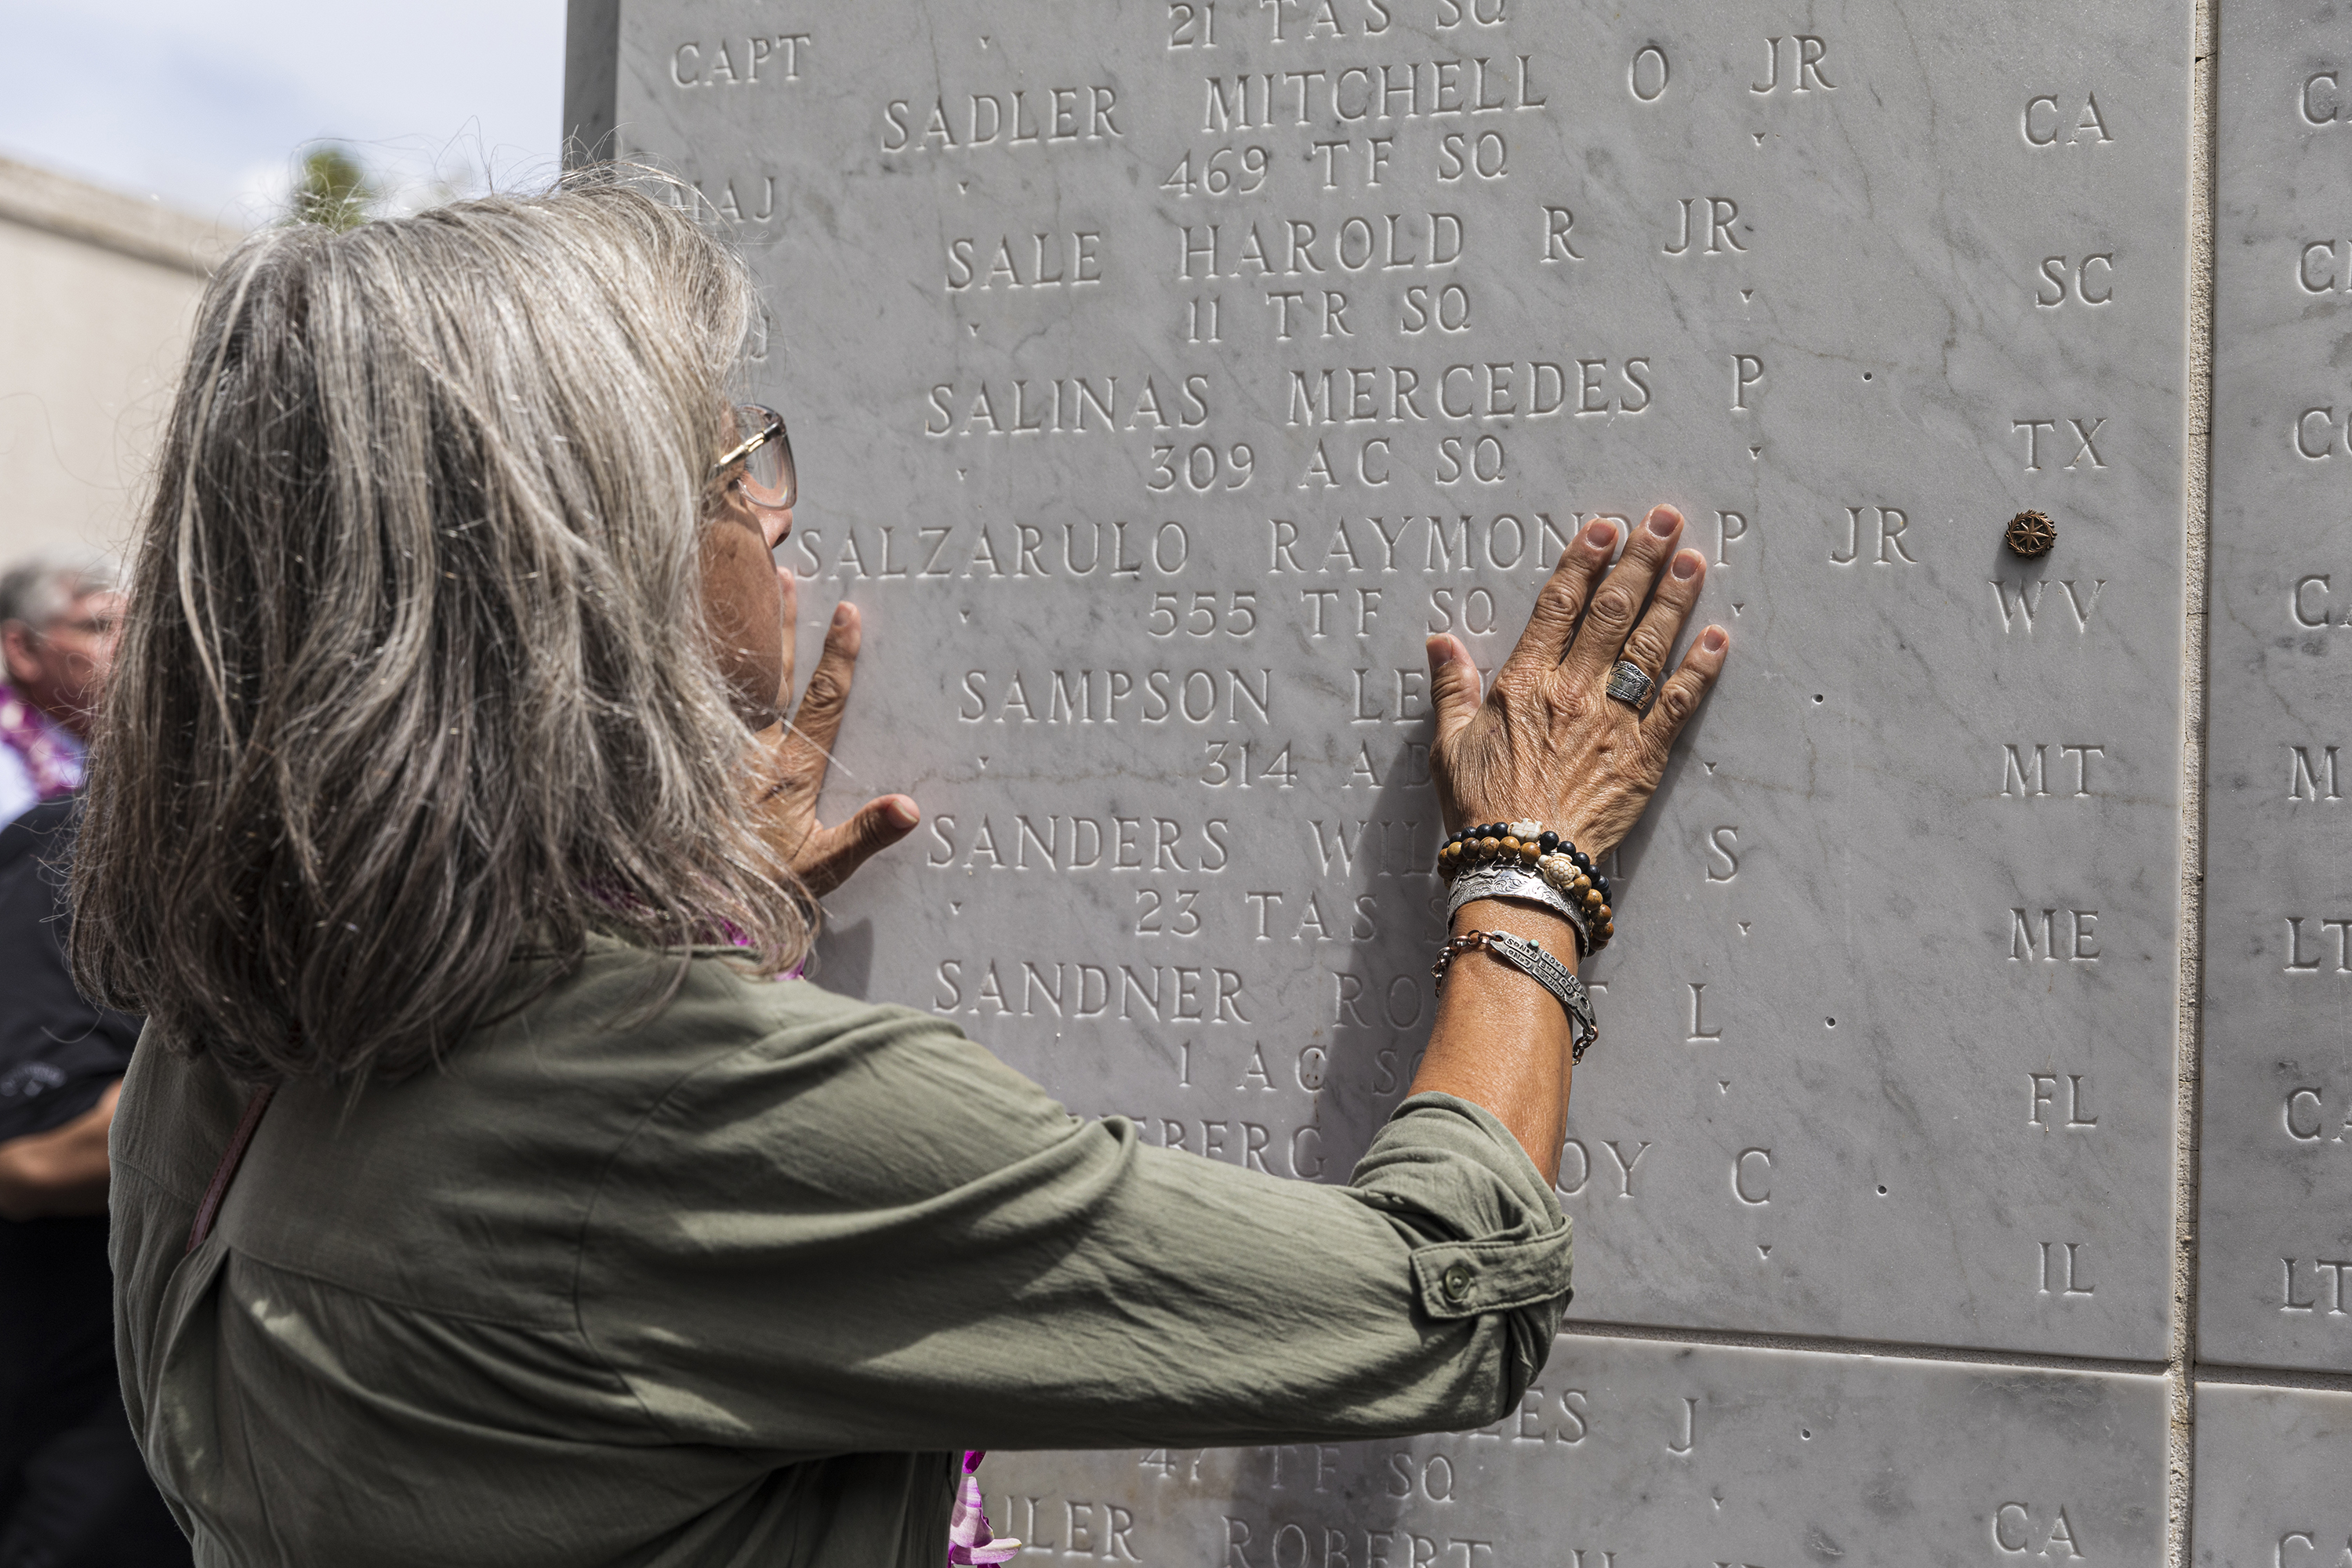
{"x":204,"y":103}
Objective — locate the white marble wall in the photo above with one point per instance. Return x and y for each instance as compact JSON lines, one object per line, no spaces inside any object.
{"x":2271,"y":1468}
{"x":1060,"y":294}
{"x":2277,"y":1190}
{"x":1631,"y":1453}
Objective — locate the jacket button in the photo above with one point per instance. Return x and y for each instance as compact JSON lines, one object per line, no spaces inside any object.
{"x":1457,"y":1282}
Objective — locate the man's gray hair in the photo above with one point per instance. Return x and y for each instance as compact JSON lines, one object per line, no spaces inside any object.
{"x":39,"y":589}
{"x":415,"y":679}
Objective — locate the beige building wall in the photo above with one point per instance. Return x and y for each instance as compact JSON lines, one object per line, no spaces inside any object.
{"x":97,"y":294}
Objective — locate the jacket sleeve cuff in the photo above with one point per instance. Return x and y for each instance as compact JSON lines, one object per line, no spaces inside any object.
{"x":1464,"y":1279}
{"x":1487,"y":1231}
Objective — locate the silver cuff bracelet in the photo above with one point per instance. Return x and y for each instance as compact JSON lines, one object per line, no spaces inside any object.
{"x":1521,"y":887}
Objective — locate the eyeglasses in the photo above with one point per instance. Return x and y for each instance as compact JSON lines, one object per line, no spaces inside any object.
{"x":768,"y":479}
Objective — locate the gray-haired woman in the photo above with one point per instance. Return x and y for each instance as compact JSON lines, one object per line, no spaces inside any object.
{"x":443,"y":735}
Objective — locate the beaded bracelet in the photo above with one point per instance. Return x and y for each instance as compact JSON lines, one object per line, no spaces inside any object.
{"x":1537,"y":849}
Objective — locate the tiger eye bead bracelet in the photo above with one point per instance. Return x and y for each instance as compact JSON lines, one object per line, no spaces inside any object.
{"x":1537,"y":848}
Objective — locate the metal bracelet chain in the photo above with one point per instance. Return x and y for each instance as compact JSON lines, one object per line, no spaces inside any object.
{"x":1530,"y":959}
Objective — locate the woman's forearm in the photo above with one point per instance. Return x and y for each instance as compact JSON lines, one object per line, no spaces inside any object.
{"x":1573,"y":732}
{"x":60,"y":1171}
{"x":1501,"y":1040}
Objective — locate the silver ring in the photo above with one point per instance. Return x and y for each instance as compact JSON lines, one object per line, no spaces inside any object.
{"x":1629,"y":683}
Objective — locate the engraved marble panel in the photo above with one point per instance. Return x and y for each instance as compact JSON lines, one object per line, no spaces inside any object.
{"x":1163,"y":375}
{"x":2277,"y":1167}
{"x":1631,"y":1453}
{"x":1091,"y":411}
{"x":2272,"y":1465}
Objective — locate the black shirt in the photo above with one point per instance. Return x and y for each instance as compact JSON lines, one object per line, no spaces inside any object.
{"x":58,"y":1055}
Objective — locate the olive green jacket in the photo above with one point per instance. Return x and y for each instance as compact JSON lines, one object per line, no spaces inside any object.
{"x":730,"y":1282}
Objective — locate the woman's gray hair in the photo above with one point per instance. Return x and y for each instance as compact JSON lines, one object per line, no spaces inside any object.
{"x":415,"y":678}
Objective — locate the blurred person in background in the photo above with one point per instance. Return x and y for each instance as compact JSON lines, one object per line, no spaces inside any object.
{"x":73,"y":1492}
{"x":58,"y":617}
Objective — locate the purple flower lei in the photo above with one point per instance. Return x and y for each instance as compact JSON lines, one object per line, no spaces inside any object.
{"x":33,"y":735}
{"x":969,"y":1538}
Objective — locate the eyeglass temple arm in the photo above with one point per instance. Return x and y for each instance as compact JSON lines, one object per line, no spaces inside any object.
{"x":746,"y":448}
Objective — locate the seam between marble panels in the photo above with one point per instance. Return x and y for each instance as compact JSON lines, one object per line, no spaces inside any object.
{"x":1892,"y":1349}
{"x":2182,"y":1369}
{"x":2214,"y":1374}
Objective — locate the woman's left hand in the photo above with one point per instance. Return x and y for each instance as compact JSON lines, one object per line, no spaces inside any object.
{"x":795,"y":753}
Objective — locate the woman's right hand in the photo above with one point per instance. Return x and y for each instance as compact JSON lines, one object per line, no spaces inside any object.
{"x":799,"y":750}
{"x":1547,"y":743}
